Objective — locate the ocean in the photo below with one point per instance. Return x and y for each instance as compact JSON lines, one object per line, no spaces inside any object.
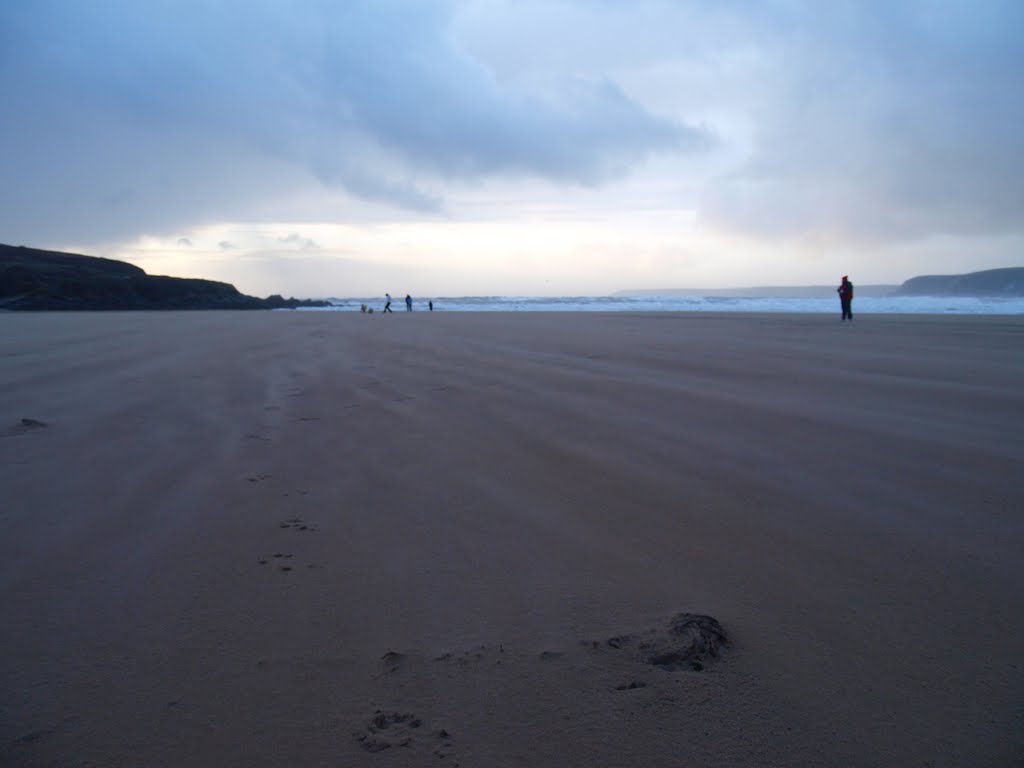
{"x":914,"y":305}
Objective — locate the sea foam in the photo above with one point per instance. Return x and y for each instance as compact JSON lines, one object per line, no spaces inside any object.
{"x":915,"y":305}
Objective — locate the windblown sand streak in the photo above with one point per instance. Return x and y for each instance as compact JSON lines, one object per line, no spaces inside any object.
{"x":461,"y":539}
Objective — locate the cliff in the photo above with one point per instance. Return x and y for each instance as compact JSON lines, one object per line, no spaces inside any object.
{"x":32,"y":279}
{"x":990,"y":282}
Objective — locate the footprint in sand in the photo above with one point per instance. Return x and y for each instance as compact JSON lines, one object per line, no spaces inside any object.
{"x":631,"y":686}
{"x":280,"y":557}
{"x":477,"y":654}
{"x":284,"y":560}
{"x":684,"y":643}
{"x":297,"y":524}
{"x":403,"y":730}
{"x":687,"y":641}
{"x":24,"y":426}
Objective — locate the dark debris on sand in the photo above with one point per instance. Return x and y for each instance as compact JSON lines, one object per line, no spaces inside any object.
{"x":688,"y":641}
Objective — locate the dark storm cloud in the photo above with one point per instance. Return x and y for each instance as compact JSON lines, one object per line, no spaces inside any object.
{"x":124,"y":117}
{"x":873,"y":119}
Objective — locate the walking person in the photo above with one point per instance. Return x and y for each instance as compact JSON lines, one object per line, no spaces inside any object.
{"x":845,"y":291}
{"x":408,"y":303}
{"x":387,"y":306}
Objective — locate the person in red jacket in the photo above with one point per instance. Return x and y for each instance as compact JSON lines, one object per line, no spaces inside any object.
{"x":846,"y":297}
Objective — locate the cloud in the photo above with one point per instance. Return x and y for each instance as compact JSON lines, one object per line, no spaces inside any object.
{"x":301,"y":243}
{"x":882,"y":122}
{"x":874,"y":121}
{"x":136,"y":117}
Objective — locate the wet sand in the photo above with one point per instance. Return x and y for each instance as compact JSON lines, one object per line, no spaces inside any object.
{"x":418,"y":539}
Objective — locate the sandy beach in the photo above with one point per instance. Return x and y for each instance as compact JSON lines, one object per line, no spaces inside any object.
{"x":333,"y":539}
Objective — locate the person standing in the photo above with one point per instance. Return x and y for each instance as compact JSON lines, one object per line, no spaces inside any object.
{"x":408,"y":303}
{"x":387,"y":306}
{"x":431,"y":305}
{"x":845,"y":291}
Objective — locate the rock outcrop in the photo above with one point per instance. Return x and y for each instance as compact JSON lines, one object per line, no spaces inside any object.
{"x":32,"y":279}
{"x":990,"y":282}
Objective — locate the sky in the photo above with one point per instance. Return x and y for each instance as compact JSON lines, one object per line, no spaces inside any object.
{"x":516,"y":147}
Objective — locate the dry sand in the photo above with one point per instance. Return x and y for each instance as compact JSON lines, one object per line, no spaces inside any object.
{"x":307,"y":539}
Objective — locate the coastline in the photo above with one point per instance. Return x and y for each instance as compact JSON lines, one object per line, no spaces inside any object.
{"x":827,"y":304}
{"x":484,"y":497}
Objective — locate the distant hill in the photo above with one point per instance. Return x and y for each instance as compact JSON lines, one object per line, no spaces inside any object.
{"x":32,"y":279}
{"x":990,"y":282}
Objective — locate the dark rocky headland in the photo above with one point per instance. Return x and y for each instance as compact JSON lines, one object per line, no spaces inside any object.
{"x":990,"y":282}
{"x":33,"y":279}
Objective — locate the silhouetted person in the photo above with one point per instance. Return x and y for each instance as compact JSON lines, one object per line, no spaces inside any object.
{"x":431,"y":305}
{"x":387,"y":306}
{"x":845,"y":291}
{"x":408,"y":303}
